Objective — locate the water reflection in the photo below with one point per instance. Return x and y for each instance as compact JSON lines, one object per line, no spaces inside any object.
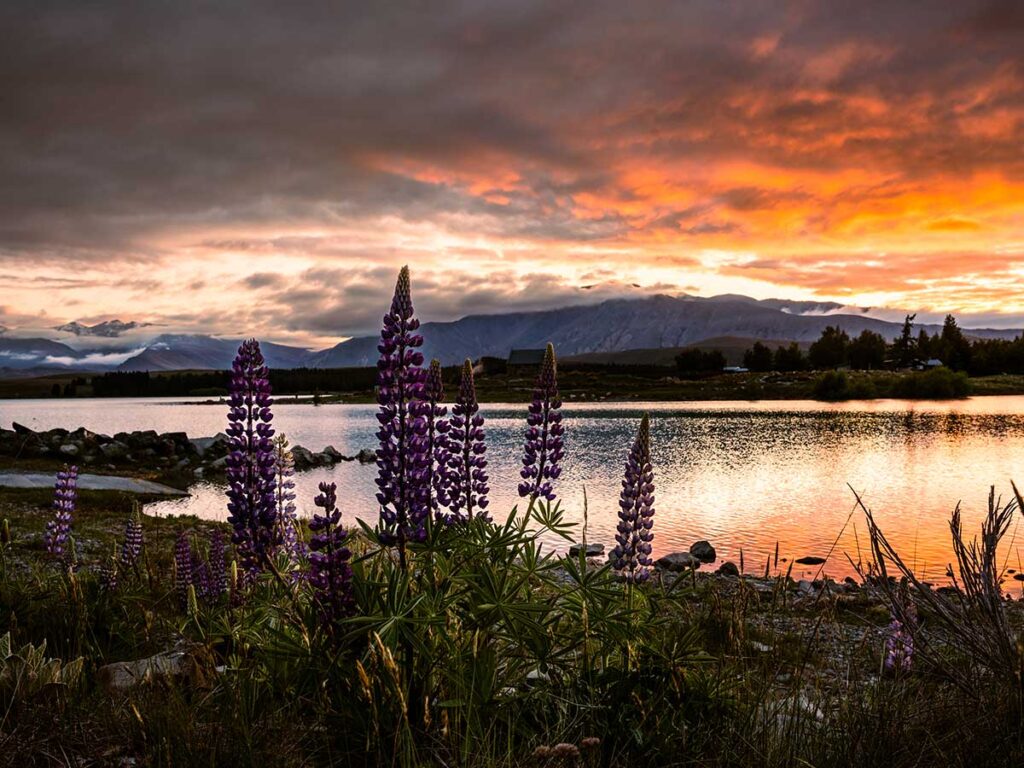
{"x":743,"y":475}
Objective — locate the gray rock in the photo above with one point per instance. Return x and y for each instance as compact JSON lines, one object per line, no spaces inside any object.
{"x":219,"y":464}
{"x":366,"y":456}
{"x":164,"y":668}
{"x":333,"y":454}
{"x":678,"y":561}
{"x":810,"y":560}
{"x":213,"y":445}
{"x":703,"y":551}
{"x":805,"y":587}
{"x":115,"y":451}
{"x":21,"y":429}
{"x":593,"y":550}
{"x":71,"y":449}
{"x":728,"y":568}
{"x":303,"y":458}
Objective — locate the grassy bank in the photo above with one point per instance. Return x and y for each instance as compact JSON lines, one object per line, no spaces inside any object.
{"x":485,"y":652}
{"x":612,"y":385}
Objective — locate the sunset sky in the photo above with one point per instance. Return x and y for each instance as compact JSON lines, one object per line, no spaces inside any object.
{"x":254,"y":168}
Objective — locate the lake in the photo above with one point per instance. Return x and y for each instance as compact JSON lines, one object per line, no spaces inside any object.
{"x":743,"y":475}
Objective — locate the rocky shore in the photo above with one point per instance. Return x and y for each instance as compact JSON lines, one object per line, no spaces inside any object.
{"x":201,"y":456}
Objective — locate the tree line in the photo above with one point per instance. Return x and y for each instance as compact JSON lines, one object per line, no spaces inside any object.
{"x":870,"y":351}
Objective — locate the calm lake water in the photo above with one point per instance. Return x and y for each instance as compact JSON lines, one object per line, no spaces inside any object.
{"x":743,"y":475}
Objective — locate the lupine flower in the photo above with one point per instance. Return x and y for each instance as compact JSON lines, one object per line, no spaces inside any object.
{"x":131,"y":547}
{"x":467,"y":477}
{"x":250,"y":465}
{"x":58,"y":531}
{"x":899,"y":641}
{"x":543,"y":448}
{"x":402,"y":458}
{"x":201,"y":577}
{"x":632,"y":554}
{"x":437,"y":437}
{"x":287,"y":521}
{"x":183,"y":563}
{"x":218,"y":565}
{"x":330,"y":574}
{"x":108,"y":573}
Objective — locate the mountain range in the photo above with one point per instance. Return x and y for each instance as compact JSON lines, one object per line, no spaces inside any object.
{"x":654,"y":323}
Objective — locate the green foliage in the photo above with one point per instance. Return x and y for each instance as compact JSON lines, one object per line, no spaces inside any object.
{"x":832,"y":385}
{"x":790,"y":358}
{"x":26,"y":674}
{"x":758,"y":358}
{"x":831,"y":350}
{"x":938,"y":383}
{"x":700,"y":361}
{"x":867,"y":351}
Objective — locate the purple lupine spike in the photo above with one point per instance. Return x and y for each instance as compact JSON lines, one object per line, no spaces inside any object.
{"x":108,"y":573}
{"x":330,"y":574}
{"x":437,"y":438}
{"x":250,"y":464}
{"x":287,"y":520}
{"x":201,"y":577}
{"x":899,"y":641}
{"x":183,"y":564}
{"x":631,"y":556}
{"x":402,"y":459}
{"x":58,"y":531}
{"x":131,"y":548}
{"x":218,"y":565}
{"x":467,"y":490}
{"x":543,"y":448}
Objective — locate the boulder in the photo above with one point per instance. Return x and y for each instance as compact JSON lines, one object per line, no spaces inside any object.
{"x":303,"y":458}
{"x":703,"y":551}
{"x":810,"y":560}
{"x":21,"y":429}
{"x":332,"y":454}
{"x":71,"y":449}
{"x":366,"y":456}
{"x":728,"y":568}
{"x":171,"y":667}
{"x":678,"y":561}
{"x":213,"y":445}
{"x":115,"y":451}
{"x":593,"y":550}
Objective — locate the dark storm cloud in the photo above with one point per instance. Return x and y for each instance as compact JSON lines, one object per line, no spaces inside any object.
{"x":120,"y":120}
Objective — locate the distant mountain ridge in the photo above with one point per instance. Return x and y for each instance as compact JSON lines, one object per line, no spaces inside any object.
{"x":617,"y":325}
{"x":170,"y":352}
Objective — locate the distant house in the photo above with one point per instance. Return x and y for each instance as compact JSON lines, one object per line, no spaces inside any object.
{"x":927,"y":365}
{"x":524,"y":362}
{"x":735,"y":369}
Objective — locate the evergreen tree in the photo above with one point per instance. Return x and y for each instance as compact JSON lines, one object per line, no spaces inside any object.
{"x":954,"y":349}
{"x":905,"y":348}
{"x":790,"y":358}
{"x":831,"y":350}
{"x":758,"y":358}
{"x":867,"y":351}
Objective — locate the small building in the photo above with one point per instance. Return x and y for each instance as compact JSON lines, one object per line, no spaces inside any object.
{"x":927,"y":365}
{"x":524,"y":362}
{"x":735,"y":369}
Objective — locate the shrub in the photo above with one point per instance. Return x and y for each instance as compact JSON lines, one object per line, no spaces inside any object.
{"x":831,"y":385}
{"x":936,"y":384}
